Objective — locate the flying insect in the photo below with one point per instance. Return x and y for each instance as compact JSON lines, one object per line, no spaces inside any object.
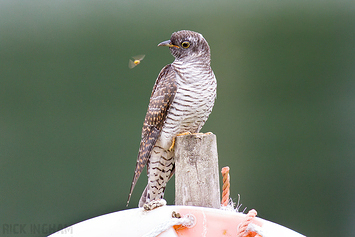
{"x":137,"y":60}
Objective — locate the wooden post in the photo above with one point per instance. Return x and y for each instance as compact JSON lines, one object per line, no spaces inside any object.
{"x":196,"y":171}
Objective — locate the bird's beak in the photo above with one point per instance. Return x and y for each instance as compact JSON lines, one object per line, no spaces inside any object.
{"x":168,"y":43}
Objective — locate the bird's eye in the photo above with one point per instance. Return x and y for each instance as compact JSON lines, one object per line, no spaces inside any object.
{"x":185,"y":44}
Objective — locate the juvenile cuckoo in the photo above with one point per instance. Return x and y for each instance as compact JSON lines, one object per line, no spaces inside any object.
{"x":181,"y":101}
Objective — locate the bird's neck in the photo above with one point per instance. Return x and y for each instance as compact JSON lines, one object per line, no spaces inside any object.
{"x":193,"y":70}
{"x":195,"y":63}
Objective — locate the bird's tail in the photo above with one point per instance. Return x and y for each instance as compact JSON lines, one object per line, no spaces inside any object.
{"x":145,"y":149}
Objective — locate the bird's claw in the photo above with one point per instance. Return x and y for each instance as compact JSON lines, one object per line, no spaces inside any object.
{"x":181,"y":134}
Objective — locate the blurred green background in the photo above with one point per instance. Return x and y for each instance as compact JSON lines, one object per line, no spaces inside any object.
{"x":71,"y":111}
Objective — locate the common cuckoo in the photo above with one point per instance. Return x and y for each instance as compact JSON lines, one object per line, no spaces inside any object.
{"x":181,"y":101}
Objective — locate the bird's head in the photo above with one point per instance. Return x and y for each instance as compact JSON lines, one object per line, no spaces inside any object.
{"x":187,"y":44}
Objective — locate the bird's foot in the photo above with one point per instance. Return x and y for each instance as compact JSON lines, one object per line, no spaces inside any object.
{"x":184,"y":133}
{"x":181,"y":134}
{"x":154,"y":204}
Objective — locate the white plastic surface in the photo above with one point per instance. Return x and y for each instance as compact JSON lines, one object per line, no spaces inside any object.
{"x":137,"y":222}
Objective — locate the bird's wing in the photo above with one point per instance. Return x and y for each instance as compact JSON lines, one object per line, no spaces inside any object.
{"x":139,"y":57}
{"x":131,"y":64}
{"x":162,"y":95}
